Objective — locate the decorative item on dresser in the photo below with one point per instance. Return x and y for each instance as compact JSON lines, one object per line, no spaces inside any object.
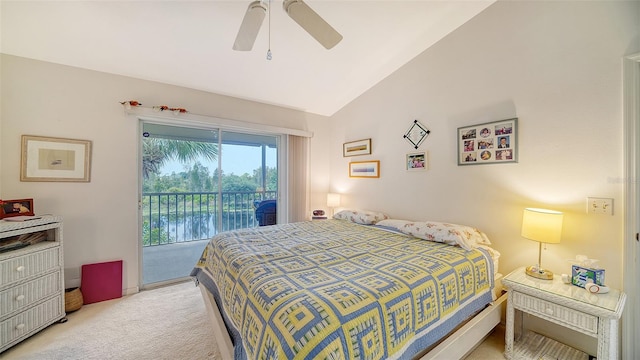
{"x":571,"y":307}
{"x":31,"y":279}
{"x":21,"y":207}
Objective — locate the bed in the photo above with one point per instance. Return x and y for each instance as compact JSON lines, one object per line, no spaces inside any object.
{"x":352,"y":287}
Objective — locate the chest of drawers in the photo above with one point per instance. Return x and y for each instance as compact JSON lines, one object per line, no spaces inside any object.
{"x":31,"y":280}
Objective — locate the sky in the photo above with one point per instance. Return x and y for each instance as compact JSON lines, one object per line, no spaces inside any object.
{"x":236,"y":159}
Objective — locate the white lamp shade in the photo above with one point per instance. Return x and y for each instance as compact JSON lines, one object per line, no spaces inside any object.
{"x":333,"y":200}
{"x":542,"y":225}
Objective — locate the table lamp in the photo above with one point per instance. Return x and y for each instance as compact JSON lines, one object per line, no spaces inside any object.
{"x":543,"y":226}
{"x":333,"y":200}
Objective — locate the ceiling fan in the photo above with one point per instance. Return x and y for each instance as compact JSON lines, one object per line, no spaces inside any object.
{"x":298,"y":10}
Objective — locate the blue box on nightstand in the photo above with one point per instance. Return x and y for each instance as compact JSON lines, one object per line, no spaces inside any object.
{"x":580,"y":275}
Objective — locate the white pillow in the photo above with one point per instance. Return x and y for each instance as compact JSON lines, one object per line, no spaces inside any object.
{"x":361,"y":216}
{"x":453,"y":234}
{"x":393,"y":223}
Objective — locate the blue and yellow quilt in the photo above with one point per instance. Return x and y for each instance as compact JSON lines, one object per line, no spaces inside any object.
{"x":333,"y":289}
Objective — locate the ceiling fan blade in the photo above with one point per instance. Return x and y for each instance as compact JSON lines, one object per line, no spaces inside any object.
{"x":301,"y":13}
{"x":250,"y":26}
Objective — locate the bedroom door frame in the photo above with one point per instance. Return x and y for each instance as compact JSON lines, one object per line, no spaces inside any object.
{"x":631,"y":256}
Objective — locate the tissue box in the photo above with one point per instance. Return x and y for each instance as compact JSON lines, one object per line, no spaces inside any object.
{"x":580,"y":275}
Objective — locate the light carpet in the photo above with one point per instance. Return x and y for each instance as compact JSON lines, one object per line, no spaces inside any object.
{"x":163,"y":323}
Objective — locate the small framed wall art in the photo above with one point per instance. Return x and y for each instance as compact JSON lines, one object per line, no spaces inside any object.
{"x":364,"y":169}
{"x":488,"y":143}
{"x":359,"y":147}
{"x":55,"y":159}
{"x":22,"y":207}
{"x":416,"y":134}
{"x":416,"y":161}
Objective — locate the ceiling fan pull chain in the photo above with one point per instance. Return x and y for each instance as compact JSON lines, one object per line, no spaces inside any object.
{"x":269,"y":57}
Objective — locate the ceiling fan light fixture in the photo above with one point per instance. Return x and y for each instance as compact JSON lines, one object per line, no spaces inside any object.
{"x":309,"y":20}
{"x":250,"y":26}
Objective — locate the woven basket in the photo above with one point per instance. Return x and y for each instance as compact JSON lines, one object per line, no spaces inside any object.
{"x":72,"y":300}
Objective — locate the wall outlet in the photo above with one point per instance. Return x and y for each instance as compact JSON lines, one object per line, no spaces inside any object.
{"x":602,"y":206}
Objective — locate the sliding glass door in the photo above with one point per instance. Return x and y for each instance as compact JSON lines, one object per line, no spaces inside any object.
{"x":249,"y":180}
{"x":196,"y":183}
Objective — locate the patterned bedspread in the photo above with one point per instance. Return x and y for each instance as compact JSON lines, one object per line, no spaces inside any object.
{"x":333,"y":289}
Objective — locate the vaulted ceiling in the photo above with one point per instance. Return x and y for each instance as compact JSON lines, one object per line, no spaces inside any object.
{"x":189,"y":43}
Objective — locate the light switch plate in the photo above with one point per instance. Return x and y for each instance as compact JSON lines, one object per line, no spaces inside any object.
{"x":601,"y":206}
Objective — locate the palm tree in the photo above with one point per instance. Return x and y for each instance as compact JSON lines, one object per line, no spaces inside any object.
{"x":156,"y":152}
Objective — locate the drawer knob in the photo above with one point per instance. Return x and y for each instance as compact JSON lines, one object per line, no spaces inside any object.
{"x":549,"y":311}
{"x":19,"y":297}
{"x":20,"y":268}
{"x":19,"y":326}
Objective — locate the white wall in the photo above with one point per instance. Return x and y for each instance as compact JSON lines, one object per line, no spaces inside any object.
{"x":46,"y":99}
{"x":554,"y":65}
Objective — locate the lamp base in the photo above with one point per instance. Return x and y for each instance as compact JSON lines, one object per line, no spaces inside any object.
{"x":537,"y":273}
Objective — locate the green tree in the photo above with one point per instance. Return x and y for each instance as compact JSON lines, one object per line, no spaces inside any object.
{"x":271,"y":176}
{"x":156,"y":152}
{"x":235,"y":183}
{"x":199,"y":179}
{"x":163,"y":183}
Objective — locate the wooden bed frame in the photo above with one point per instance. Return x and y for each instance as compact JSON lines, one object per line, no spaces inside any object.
{"x":456,"y":346}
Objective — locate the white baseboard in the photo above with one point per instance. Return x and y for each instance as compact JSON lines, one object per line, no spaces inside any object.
{"x":131,"y":290}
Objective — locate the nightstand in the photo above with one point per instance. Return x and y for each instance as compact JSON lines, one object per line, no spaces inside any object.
{"x":567,"y":305}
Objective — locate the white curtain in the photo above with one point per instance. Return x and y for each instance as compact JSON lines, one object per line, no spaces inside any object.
{"x":298,"y":178}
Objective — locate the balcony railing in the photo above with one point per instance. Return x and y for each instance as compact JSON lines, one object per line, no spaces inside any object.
{"x":169,"y":218}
